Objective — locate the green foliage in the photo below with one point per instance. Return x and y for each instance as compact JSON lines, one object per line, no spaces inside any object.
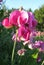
{"x":39,"y":15}
{"x":39,"y":38}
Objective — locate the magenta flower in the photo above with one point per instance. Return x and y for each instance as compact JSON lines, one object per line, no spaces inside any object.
{"x":6,"y":23}
{"x":23,"y":33}
{"x":23,"y":18}
{"x":14,"y":17}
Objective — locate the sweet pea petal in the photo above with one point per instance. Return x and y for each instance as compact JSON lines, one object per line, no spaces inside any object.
{"x":6,"y":23}
{"x":14,"y":16}
{"x":23,"y":18}
{"x":23,"y":33}
{"x":30,"y":19}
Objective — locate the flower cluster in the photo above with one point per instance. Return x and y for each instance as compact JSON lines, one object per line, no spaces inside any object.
{"x":26,"y":24}
{"x":24,"y":21}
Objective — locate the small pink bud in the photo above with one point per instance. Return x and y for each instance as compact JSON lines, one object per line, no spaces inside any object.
{"x":21,"y":52}
{"x":6,"y":23}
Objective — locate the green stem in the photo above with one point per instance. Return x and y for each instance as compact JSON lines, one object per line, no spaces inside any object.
{"x":12,"y":59}
{"x":42,"y":63}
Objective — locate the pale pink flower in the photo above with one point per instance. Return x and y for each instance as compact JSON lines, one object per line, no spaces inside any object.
{"x":30,"y":46}
{"x":21,"y":52}
{"x":6,"y":23}
{"x":15,"y":38}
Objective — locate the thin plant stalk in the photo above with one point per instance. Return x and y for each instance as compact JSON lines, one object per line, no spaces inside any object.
{"x":13,"y":53}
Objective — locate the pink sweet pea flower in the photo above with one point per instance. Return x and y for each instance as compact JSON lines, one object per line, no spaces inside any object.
{"x":14,"y":17}
{"x":23,"y":18}
{"x":23,"y":33}
{"x":6,"y":23}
